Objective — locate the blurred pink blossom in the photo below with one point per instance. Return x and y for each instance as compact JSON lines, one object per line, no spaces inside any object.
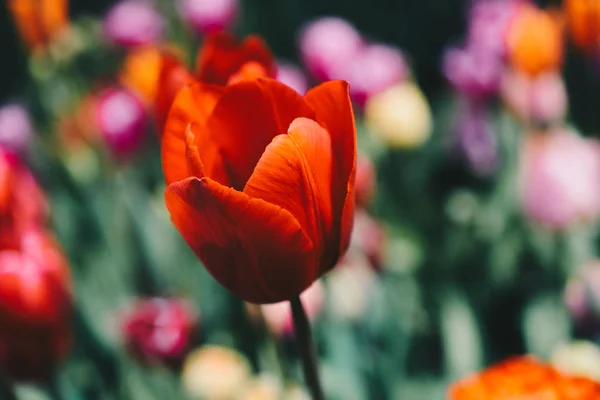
{"x":328,"y":44}
{"x":292,"y":76}
{"x":473,"y":73}
{"x":122,"y":121}
{"x":133,"y":23}
{"x":375,"y":68}
{"x":278,"y":316}
{"x":542,"y":99}
{"x":488,"y":23}
{"x":208,"y":16}
{"x":560,"y":178}
{"x":15,"y":128}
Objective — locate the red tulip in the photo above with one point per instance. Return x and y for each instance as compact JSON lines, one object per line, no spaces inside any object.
{"x":221,"y":60}
{"x":35,"y":306}
{"x":261,"y":182}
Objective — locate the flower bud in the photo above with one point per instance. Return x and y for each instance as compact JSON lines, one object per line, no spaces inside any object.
{"x":278,"y":316}
{"x":375,"y":68}
{"x":327,"y":45}
{"x":534,"y":41}
{"x":208,"y":16}
{"x":16,"y":130}
{"x":580,"y":358}
{"x":292,"y":76}
{"x":366,"y":180}
{"x":159,"y":329}
{"x":35,"y":308}
{"x":133,"y":23}
{"x":541,"y":100}
{"x":215,"y":373}
{"x":400,"y":116}
{"x":560,"y":179}
{"x":473,"y":73}
{"x":122,"y":121}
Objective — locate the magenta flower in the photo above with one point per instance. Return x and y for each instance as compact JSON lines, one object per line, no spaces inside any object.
{"x":488,"y":23}
{"x":15,"y":128}
{"x":327,"y":45}
{"x":133,"y":23}
{"x":208,"y":16}
{"x":473,"y":73}
{"x":292,"y":76}
{"x":560,"y":179}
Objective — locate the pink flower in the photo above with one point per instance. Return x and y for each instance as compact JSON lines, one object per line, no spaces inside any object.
{"x":561,"y":179}
{"x":159,"y":329}
{"x":133,"y":23}
{"x":15,"y":128}
{"x":488,"y":24}
{"x":278,"y":316}
{"x":208,"y":16}
{"x":375,"y":68}
{"x":122,"y":121}
{"x":292,"y":76}
{"x":473,"y":73}
{"x":327,"y":44}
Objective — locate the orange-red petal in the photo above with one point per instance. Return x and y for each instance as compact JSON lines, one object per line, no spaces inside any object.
{"x":191,"y":107}
{"x":247,"y":118}
{"x":172,"y":77}
{"x":333,"y":109}
{"x":222,"y":55}
{"x":295,"y":174}
{"x":255,"y":249}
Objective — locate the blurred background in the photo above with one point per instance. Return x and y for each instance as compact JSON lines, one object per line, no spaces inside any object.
{"x":478,"y":197}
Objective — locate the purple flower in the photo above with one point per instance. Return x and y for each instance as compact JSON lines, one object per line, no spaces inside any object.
{"x":327,"y":44}
{"x":477,"y":141}
{"x":475,"y":74}
{"x":488,"y":23}
{"x":133,"y":23}
{"x":375,"y":68}
{"x":292,"y":76}
{"x":122,"y":121}
{"x":207,"y":16}
{"x":15,"y":128}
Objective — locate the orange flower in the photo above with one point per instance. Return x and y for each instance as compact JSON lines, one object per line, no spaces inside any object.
{"x":140,"y":72}
{"x":221,"y":60}
{"x":38,"y":20}
{"x":524,"y":378}
{"x":583,"y":18}
{"x":261,"y":182}
{"x":534,"y":40}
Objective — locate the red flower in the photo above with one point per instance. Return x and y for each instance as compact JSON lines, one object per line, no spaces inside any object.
{"x":524,"y":378}
{"x":159,"y":329}
{"x":261,"y":182}
{"x":220,"y":61}
{"x":35,"y":307}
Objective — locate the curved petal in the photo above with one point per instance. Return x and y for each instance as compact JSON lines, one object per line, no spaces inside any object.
{"x":295,"y":174}
{"x":222,"y":56}
{"x":247,"y":118}
{"x":191,"y":107}
{"x":172,"y":77}
{"x":255,"y":249}
{"x":333,"y":109}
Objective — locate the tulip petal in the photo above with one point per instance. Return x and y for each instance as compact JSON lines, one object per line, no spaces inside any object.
{"x":173,"y":76}
{"x":333,"y":108}
{"x":192,"y":106}
{"x":222,"y":55}
{"x":247,"y":118}
{"x":255,"y":249}
{"x":295,"y":174}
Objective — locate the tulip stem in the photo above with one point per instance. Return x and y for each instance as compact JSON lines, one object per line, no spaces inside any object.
{"x":306,"y":349}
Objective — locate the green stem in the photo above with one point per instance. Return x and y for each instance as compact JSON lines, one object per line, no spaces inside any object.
{"x":306,"y":349}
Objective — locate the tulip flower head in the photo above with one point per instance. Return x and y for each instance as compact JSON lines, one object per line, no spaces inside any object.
{"x":560,"y":179}
{"x":208,"y":16}
{"x":35,"y":307}
{"x":489,"y":21}
{"x":159,"y":329}
{"x":16,"y":129}
{"x":327,"y":45}
{"x":523,"y":378}
{"x":122,"y":120}
{"x":261,"y":182}
{"x":133,"y":23}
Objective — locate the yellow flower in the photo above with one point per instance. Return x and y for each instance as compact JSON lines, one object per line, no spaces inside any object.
{"x":400,"y":116}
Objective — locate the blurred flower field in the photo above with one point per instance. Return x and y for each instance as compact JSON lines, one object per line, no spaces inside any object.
{"x":182,"y":203}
